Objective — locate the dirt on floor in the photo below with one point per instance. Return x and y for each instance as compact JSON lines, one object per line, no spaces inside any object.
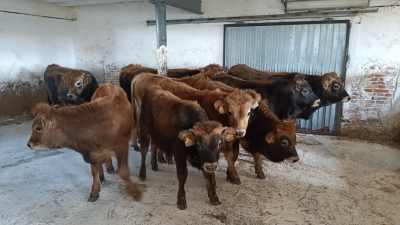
{"x":336,"y":181}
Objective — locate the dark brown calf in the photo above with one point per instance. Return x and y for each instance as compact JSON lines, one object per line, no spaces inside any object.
{"x":231,"y":109}
{"x":97,"y":130}
{"x":66,"y":86}
{"x":180,"y":127}
{"x":128,"y":72}
{"x":262,"y":124}
{"x":328,"y":87}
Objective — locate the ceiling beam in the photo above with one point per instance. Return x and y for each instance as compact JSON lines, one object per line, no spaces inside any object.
{"x":240,"y":19}
{"x":193,"y":6}
{"x":85,"y":2}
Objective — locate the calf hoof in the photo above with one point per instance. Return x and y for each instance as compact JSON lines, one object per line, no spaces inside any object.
{"x":154,"y":167}
{"x":161,"y":160}
{"x":137,"y":149}
{"x":110,"y":170}
{"x":261,"y":176}
{"x":93,"y":198}
{"x":215,"y":201}
{"x":134,"y":191}
{"x":102,"y":179}
{"x":142,"y":176}
{"x":182,"y":205}
{"x":234,"y":181}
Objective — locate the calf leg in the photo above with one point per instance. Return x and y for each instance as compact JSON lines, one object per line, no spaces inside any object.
{"x":153,"y":162}
{"x":121,"y":152}
{"x":257,"y":166}
{"x":109,"y":166}
{"x":231,"y":156}
{"x":211,"y":185}
{"x":135,"y":135}
{"x":144,"y":146}
{"x":182,"y":172}
{"x":94,"y":193}
{"x":160,"y":156}
{"x":101,"y":172}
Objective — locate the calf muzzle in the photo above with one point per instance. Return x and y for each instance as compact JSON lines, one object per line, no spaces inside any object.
{"x":210,"y":167}
{"x":240,"y":133}
{"x":292,"y":159}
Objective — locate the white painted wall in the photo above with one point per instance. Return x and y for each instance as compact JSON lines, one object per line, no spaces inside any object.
{"x":114,"y":35}
{"x":29,"y":43}
{"x":117,"y":34}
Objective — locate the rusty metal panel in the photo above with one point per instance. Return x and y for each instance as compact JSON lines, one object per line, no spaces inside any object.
{"x":305,"y":47}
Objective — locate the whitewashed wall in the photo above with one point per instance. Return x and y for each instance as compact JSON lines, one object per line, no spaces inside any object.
{"x":106,"y":37}
{"x":29,"y":43}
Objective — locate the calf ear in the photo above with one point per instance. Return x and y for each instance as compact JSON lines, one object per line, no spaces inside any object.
{"x":221,"y":106}
{"x":188,"y":137}
{"x":256,"y":96}
{"x":41,"y":109}
{"x":229,"y":134}
{"x":270,"y":137}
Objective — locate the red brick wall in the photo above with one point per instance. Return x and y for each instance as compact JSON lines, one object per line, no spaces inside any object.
{"x":371,"y":95}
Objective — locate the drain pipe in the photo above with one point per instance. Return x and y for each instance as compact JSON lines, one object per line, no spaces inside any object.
{"x":161,"y":26}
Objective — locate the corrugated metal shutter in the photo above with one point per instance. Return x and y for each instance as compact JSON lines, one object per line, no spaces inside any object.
{"x":305,"y":47}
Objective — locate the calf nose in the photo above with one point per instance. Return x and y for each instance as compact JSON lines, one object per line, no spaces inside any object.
{"x":69,"y":96}
{"x":239,"y":133}
{"x":211,"y":168}
{"x":293,"y":159}
{"x":29,"y":145}
{"x":316,"y":103}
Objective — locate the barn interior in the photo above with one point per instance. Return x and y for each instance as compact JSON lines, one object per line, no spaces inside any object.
{"x":348,"y":171}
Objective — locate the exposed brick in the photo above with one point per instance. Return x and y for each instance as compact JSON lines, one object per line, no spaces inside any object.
{"x":380,"y":102}
{"x":389,"y":95}
{"x":379,"y":75}
{"x":368,"y":90}
{"x":381,"y":90}
{"x":391,"y":68}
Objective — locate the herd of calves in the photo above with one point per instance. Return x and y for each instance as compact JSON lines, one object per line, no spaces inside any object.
{"x":190,"y":115}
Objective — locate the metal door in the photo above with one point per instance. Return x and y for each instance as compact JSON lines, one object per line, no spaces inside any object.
{"x":305,"y":47}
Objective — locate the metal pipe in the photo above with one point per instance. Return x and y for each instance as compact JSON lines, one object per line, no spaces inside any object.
{"x":161,"y":27}
{"x":337,"y":13}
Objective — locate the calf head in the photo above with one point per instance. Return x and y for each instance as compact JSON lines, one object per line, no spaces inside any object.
{"x":304,"y":96}
{"x":333,"y":89}
{"x":281,"y":142}
{"x":213,"y":69}
{"x":76,"y":81}
{"x":44,"y":134}
{"x":238,"y":105}
{"x":206,"y":137}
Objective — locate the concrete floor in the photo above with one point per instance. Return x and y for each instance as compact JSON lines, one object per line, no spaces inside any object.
{"x":336,"y":181}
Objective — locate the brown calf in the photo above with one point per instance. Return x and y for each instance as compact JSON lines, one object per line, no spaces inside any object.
{"x":128,"y":72}
{"x":180,"y":127}
{"x":97,"y":130}
{"x":231,"y":109}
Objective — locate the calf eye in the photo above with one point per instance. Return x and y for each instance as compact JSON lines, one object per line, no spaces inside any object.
{"x":284,"y":143}
{"x":336,"y":86}
{"x":219,"y":144}
{"x":198,"y":146}
{"x":230,"y":113}
{"x":248,"y":114}
{"x":38,"y":129}
{"x":305,"y":92}
{"x":78,"y":84}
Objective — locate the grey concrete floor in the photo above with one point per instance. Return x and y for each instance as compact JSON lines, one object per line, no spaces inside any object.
{"x":336,"y":181}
